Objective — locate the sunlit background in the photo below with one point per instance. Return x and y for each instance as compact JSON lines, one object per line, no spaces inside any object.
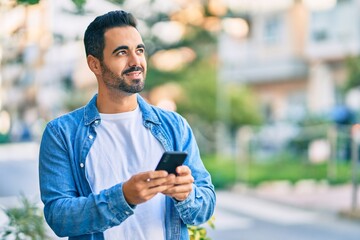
{"x":270,"y":88}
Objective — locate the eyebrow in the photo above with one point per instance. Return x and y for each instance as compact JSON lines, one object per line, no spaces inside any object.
{"x":126,"y":47}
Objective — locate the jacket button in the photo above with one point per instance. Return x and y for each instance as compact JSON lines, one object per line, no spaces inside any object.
{"x":81,"y":165}
{"x":91,"y":136}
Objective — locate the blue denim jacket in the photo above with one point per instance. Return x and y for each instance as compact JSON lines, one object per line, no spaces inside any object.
{"x":71,"y":209}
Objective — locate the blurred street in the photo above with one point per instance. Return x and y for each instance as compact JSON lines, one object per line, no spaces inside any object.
{"x":272,"y":211}
{"x":245,"y":217}
{"x":19,"y":169}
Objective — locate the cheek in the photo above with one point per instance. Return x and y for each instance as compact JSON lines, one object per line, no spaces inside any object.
{"x":144,"y":64}
{"x":118,"y":67}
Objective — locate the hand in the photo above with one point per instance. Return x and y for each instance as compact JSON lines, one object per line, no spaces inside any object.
{"x":183,"y":184}
{"x":144,"y":186}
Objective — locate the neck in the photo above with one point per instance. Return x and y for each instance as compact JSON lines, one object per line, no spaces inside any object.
{"x":116,"y":103}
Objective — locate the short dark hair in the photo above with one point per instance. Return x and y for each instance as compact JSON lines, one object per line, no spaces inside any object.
{"x":94,"y":39}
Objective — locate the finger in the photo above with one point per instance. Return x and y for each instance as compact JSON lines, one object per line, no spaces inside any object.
{"x":148,"y":176}
{"x":158,"y":189}
{"x":186,"y":188}
{"x":139,"y":194}
{"x":169,"y":180}
{"x":179,"y":193}
{"x":137,"y":188}
{"x":183,"y":170}
{"x":187,"y":179}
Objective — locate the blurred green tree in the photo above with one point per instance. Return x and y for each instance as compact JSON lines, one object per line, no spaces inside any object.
{"x":80,"y":5}
{"x":200,"y":97}
{"x":353,"y":68}
{"x":30,"y":2}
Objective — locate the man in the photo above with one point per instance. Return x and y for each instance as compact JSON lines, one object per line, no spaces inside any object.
{"x":97,"y":176}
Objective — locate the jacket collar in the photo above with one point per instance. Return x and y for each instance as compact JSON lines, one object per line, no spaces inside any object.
{"x":91,"y":113}
{"x":147,"y":111}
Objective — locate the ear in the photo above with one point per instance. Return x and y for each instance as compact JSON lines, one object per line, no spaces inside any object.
{"x":94,"y":64}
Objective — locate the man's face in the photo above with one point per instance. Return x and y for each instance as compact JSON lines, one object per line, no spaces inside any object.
{"x":124,"y":64}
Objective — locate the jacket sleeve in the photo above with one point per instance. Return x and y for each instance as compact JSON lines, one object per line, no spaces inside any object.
{"x":66,"y":211}
{"x":200,"y":204}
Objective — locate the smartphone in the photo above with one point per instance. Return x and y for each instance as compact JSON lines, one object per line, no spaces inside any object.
{"x":170,"y":161}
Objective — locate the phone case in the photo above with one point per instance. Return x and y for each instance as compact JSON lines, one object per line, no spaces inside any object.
{"x":170,"y":161}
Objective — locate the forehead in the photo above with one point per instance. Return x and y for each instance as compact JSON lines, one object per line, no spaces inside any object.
{"x":127,"y":36}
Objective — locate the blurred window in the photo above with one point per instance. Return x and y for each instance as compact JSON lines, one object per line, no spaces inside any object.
{"x":320,"y":35}
{"x":273,"y":27}
{"x":319,"y":26}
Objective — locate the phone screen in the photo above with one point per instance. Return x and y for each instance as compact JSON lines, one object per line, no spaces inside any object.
{"x":170,"y":161}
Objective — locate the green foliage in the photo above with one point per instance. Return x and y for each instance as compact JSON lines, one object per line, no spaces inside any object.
{"x":200,"y":87}
{"x":30,"y":2}
{"x":117,"y":1}
{"x":294,"y":171}
{"x":80,"y":5}
{"x":222,"y":171}
{"x":199,"y":83}
{"x":280,"y":167}
{"x":353,"y":68}
{"x":200,"y":233}
{"x":155,"y":77}
{"x":244,"y":107}
{"x":25,"y":222}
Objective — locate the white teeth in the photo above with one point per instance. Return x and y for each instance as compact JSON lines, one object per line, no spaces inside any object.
{"x":133,"y":74}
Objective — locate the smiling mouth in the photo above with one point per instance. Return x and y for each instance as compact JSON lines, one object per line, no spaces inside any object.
{"x":133,"y":74}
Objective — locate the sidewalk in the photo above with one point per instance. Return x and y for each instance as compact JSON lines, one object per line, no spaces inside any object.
{"x":21,"y":153}
{"x":308,"y":194}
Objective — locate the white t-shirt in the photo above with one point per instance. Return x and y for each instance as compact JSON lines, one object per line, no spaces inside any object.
{"x":124,"y":147}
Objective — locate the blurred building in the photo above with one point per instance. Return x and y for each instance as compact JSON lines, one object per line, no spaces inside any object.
{"x":25,"y":37}
{"x":42,"y":59}
{"x":293,"y":55}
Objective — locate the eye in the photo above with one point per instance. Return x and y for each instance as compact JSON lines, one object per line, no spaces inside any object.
{"x":140,"y":51}
{"x":121,"y":53}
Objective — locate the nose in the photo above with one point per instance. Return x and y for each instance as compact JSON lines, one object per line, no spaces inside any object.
{"x":134,"y":60}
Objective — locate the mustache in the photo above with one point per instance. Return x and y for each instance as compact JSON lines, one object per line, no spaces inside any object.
{"x":132,"y":69}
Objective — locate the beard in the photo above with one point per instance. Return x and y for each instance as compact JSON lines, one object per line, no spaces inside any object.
{"x":117,"y":82}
